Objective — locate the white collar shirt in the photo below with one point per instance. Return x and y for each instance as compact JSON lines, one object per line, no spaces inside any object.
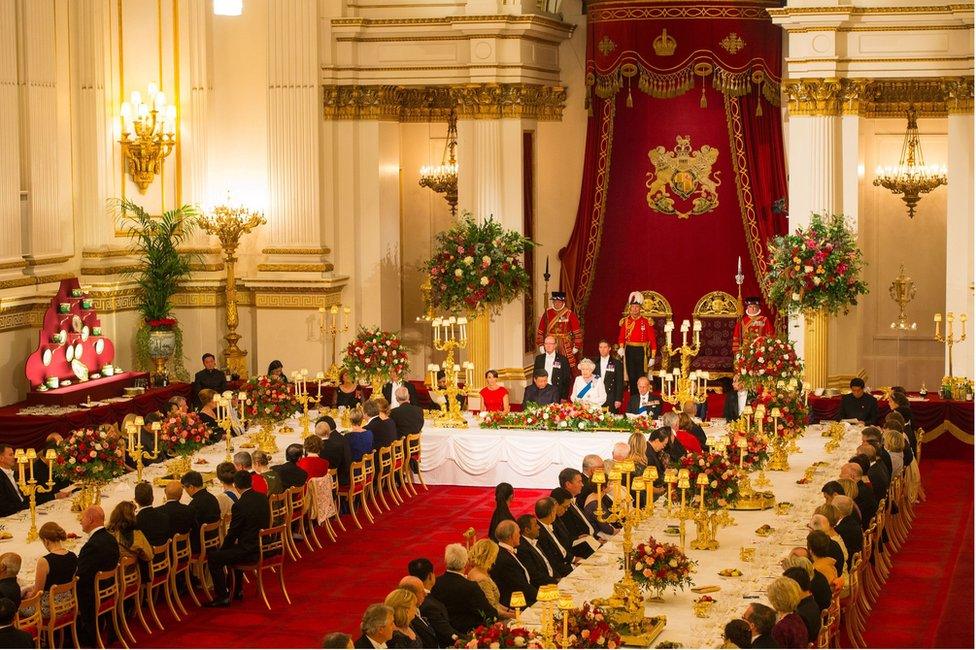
{"x":394,"y":385}
{"x":375,"y":644}
{"x":582,"y":516}
{"x":555,"y":539}
{"x":13,"y":481}
{"x":512,"y":551}
{"x":743,"y":399}
{"x":550,"y":361}
{"x":534,"y":543}
{"x":604,"y":364}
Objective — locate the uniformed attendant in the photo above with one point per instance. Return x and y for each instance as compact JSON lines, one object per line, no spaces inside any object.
{"x":754,"y":323}
{"x":562,"y":323}
{"x":637,"y":341}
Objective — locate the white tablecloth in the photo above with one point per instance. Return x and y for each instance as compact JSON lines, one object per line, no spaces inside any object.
{"x":597,"y":574}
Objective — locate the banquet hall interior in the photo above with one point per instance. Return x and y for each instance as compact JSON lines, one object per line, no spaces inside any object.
{"x":486,"y":323}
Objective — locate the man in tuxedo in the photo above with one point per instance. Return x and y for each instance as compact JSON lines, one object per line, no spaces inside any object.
{"x":580,"y":545}
{"x":858,"y":404}
{"x":508,"y":572}
{"x":391,"y":388}
{"x":540,"y":391}
{"x":335,"y":449}
{"x":181,"y":519}
{"x":289,"y":472}
{"x":408,"y":417}
{"x":467,"y":606}
{"x":432,"y":609}
{"x":674,"y":448}
{"x":866,"y":500}
{"x":575,"y":521}
{"x":203,"y":505}
{"x":376,"y":627}
{"x":611,"y":370}
{"x":9,"y":568}
{"x":761,"y":619}
{"x":210,"y":377}
{"x":848,"y":526}
{"x":384,"y":431}
{"x":100,"y":553}
{"x":540,"y":571}
{"x":877,"y":473}
{"x":420,"y":625}
{"x":248,"y":516}
{"x":556,"y":366}
{"x":643,"y":402}
{"x":560,"y":558}
{"x":11,"y":499}
{"x":10,"y":636}
{"x":872,"y":436}
{"x":736,"y":399}
{"x":153,"y":522}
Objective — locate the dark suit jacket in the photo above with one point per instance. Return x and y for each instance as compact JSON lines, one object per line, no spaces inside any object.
{"x":336,"y":450}
{"x":765,"y":641}
{"x":291,"y":475}
{"x":362,"y":642}
{"x":206,"y":510}
{"x":809,"y":611}
{"x":559,"y":561}
{"x":384,"y":431}
{"x":100,"y":553}
{"x":436,"y":614}
{"x":653,"y":405}
{"x":614,"y":380}
{"x":880,"y":479}
{"x":10,"y":589}
{"x":181,"y":517}
{"x":675,"y":450}
{"x":575,"y":523}
{"x":509,"y":575}
{"x":837,"y":554}
{"x":411,"y":389}
{"x":567,"y":539}
{"x":41,"y":474}
{"x":731,"y":410}
{"x":467,"y":606}
{"x":548,"y":395}
{"x":699,"y":433}
{"x":408,"y":419}
{"x":213,"y":379}
{"x":850,"y":531}
{"x":10,"y":501}
{"x":424,"y":631}
{"x":533,"y":560}
{"x":867,"y":503}
{"x":11,"y":637}
{"x":154,"y":524}
{"x":248,"y":516}
{"x":561,"y":377}
{"x":864,"y":409}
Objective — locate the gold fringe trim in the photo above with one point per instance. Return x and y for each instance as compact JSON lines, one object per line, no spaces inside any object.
{"x":673,"y":84}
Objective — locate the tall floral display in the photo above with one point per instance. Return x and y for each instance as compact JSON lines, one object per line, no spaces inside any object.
{"x":268,"y":402}
{"x":180,"y":437}
{"x":373,"y":355}
{"x":91,"y":458}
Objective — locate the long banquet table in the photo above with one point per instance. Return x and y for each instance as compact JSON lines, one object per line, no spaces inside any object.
{"x":595,"y":577}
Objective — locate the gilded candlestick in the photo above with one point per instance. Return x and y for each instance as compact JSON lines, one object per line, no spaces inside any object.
{"x":29,"y":486}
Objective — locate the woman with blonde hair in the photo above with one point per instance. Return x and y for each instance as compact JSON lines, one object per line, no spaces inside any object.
{"x":403,"y":602}
{"x":638,"y":452}
{"x":850,"y":490}
{"x":481,"y":557}
{"x":789,"y":631}
{"x":894,"y":442}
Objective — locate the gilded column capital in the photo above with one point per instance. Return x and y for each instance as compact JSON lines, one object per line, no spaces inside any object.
{"x":814,"y":96}
{"x":958,"y":96}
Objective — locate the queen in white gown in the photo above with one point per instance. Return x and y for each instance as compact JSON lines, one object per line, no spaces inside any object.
{"x":588,"y":389}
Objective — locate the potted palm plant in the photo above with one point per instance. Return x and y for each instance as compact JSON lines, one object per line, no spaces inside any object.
{"x":162,"y":268}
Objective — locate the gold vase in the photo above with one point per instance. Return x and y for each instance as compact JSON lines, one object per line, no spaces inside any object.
{"x":779,"y":459}
{"x":179,"y":465}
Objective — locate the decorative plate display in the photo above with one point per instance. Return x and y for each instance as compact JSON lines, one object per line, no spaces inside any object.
{"x":62,"y":337}
{"x":46,"y":357}
{"x":76,"y":323}
{"x":84,"y":332}
{"x":80,"y":370}
{"x":96,"y":330}
{"x":99,"y":346}
{"x":79,"y":349}
{"x":69,"y":353}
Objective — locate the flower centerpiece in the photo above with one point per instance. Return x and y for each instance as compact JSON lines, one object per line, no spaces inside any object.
{"x":589,"y":627}
{"x":569,"y":416}
{"x":817,"y":268}
{"x":268,"y":401}
{"x":180,"y":436}
{"x":478,"y":266}
{"x":756,"y":452}
{"x":373,"y":355}
{"x":767,"y":361}
{"x":957,"y":388}
{"x":92,"y":458}
{"x":722,"y":489}
{"x":657,"y":566}
{"x":499,"y":635}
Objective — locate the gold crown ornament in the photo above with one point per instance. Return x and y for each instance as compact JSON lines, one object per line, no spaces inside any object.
{"x":664,"y":45}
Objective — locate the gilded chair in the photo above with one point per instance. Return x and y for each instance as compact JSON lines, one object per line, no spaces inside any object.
{"x":297,"y":499}
{"x":181,"y":561}
{"x":159,"y":579}
{"x":322,"y":505}
{"x":356,"y":488}
{"x":384,"y":476}
{"x":412,"y":442}
{"x":130,"y":587}
{"x":31,"y":622}
{"x":271,"y":555}
{"x":369,"y":469}
{"x":62,"y":611}
{"x":718,"y":312}
{"x":399,"y":479}
{"x":107,"y":602}
{"x":334,"y":473}
{"x":211,"y":537}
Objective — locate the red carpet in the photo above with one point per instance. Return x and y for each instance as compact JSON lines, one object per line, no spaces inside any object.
{"x":330,"y":589}
{"x":928,"y":599}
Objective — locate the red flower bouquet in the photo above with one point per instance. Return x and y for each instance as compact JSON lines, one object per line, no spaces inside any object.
{"x":374,"y":354}
{"x":756,"y":450}
{"x":768,"y":361}
{"x":658,"y":566}
{"x":268,"y":400}
{"x":183,"y":434}
{"x":499,"y":635}
{"x":793,"y":410}
{"x":589,"y":628}
{"x":91,"y":455}
{"x":723,"y":479}
{"x":161,"y":324}
{"x":569,"y":416}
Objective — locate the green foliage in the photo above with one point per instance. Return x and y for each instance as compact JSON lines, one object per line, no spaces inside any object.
{"x":145,"y":362}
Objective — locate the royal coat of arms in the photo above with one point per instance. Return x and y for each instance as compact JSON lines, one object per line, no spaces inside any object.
{"x":686,"y":173}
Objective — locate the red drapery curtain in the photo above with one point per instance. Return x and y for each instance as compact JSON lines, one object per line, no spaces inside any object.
{"x":709,"y":75}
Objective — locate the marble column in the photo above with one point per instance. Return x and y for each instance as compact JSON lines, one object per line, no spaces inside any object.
{"x":195,"y":97}
{"x":10,"y":243}
{"x":959,"y":226}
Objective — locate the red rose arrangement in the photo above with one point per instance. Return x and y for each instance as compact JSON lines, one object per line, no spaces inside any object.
{"x":723,"y":479}
{"x":164,"y":324}
{"x":589,"y":628}
{"x":792,"y":407}
{"x":569,"y":416}
{"x":756,"y":450}
{"x":374,"y":354}
{"x":499,"y":635}
{"x":268,"y":400}
{"x":183,"y":434}
{"x":768,"y":360}
{"x":658,"y":566}
{"x":91,"y":455}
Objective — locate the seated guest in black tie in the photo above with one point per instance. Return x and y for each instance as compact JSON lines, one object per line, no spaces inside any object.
{"x":736,"y":399}
{"x":556,"y":366}
{"x":203,"y":505}
{"x":208,"y":413}
{"x":644,"y":402}
{"x":377,"y":627}
{"x":176,"y":404}
{"x":858,"y":404}
{"x":210,"y":377}
{"x":508,"y":572}
{"x":335,"y":449}
{"x":535,"y":562}
{"x":574,"y":519}
{"x":559,"y":556}
{"x":807,"y":608}
{"x":848,"y":527}
{"x":11,"y":499}
{"x":539,"y":391}
{"x":403,"y":602}
{"x":761,"y":619}
{"x":181,"y":519}
{"x":289,"y":472}
{"x":9,"y":568}
{"x":389,"y":391}
{"x":420,"y":625}
{"x":348,"y":393}
{"x":657,"y":456}
{"x":504,"y":493}
{"x":579,"y":545}
{"x":675,"y":449}
{"x":383,"y":428}
{"x":467,"y":606}
{"x":10,"y":636}
{"x":872,"y":436}
{"x":241,"y":544}
{"x":611,"y":371}
{"x":100,"y":553}
{"x":408,"y":417}
{"x":433,"y":610}
{"x":866,"y":500}
{"x":153,"y":522}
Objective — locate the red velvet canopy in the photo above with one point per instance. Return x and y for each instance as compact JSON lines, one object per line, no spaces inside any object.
{"x":684,"y":169}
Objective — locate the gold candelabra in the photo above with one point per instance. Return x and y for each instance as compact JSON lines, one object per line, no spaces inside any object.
{"x":29,"y":486}
{"x":302,"y":395}
{"x":683,"y":384}
{"x":912,"y":177}
{"x":222,"y":406}
{"x":749,"y":498}
{"x":330,"y":329}
{"x":443,"y":178}
{"x":135,"y":449}
{"x":707,"y":522}
{"x":148,"y":135}
{"x":626,"y":592}
{"x":229,"y":225}
{"x":950,"y":339}
{"x":450,"y":334}
{"x":902,"y":291}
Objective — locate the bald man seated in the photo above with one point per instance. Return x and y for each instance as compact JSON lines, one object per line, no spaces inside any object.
{"x":100,"y":553}
{"x":181,"y":518}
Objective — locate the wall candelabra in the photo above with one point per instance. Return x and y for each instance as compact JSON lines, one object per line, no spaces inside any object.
{"x":950,"y":339}
{"x":330,"y":328}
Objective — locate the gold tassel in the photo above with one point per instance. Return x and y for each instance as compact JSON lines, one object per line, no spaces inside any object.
{"x":759,"y":109}
{"x":630,"y":99}
{"x":759,"y":100}
{"x":703,"y":103}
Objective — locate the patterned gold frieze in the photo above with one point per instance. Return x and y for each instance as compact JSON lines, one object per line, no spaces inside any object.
{"x":279,"y":300}
{"x":434,"y":103}
{"x":813,"y":96}
{"x":877,"y":98}
{"x":133,"y":268}
{"x":323,"y":250}
{"x":38,"y":279}
{"x":13,"y":264}
{"x":296,"y":268}
{"x":48,"y":261}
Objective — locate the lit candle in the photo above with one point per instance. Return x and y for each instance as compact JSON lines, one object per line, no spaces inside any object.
{"x":741,"y":443}
{"x":738,"y":268}
{"x":702,"y":481}
{"x":21,"y":462}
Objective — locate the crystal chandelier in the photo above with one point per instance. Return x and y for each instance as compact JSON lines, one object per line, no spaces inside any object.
{"x":912,"y":177}
{"x":443,"y":178}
